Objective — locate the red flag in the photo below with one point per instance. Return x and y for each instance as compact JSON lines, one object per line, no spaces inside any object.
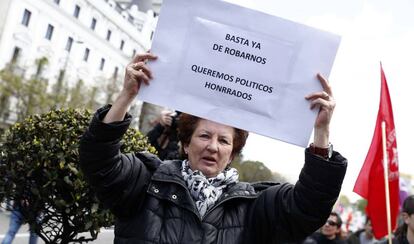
{"x":370,"y":183}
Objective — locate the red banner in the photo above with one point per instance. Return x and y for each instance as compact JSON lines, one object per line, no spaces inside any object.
{"x":370,"y":183}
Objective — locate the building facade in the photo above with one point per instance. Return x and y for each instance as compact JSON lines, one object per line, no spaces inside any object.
{"x":88,"y":40}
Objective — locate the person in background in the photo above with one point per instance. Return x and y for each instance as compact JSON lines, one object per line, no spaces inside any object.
{"x":163,"y":136}
{"x":200,"y":199}
{"x":16,"y":221}
{"x":363,"y":236}
{"x":329,"y":233}
{"x":405,"y":232}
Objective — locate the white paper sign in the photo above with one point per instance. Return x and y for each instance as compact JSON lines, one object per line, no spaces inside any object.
{"x":239,"y":67}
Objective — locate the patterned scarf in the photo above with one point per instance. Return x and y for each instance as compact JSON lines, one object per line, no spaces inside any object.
{"x":206,"y":191}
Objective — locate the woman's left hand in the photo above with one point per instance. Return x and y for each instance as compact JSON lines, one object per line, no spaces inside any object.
{"x":325,"y":102}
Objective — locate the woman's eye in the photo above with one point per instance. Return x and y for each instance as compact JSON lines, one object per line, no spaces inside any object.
{"x":204,"y":136}
{"x":224,"y":141}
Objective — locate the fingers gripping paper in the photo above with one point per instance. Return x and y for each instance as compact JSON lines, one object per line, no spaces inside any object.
{"x":239,"y":67}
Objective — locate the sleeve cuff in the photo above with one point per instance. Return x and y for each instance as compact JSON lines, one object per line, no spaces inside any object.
{"x":111,"y":131}
{"x":326,"y":172}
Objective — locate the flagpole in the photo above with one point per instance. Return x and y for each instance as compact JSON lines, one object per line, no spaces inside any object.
{"x":387,"y":191}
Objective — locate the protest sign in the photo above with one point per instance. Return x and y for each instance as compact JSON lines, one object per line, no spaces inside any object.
{"x":239,"y":67}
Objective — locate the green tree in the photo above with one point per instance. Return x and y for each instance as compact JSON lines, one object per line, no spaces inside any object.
{"x":252,"y":171}
{"x":77,"y":95}
{"x":40,"y":63}
{"x":10,"y":85}
{"x":25,"y":96}
{"x":32,"y":98}
{"x":361,"y":204}
{"x":112,"y":87}
{"x":277,"y":177}
{"x":92,"y":104}
{"x":60,"y":92}
{"x":344,"y":200}
{"x":30,"y":94}
{"x":40,"y":166}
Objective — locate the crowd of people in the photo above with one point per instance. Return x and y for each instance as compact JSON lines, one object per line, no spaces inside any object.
{"x":332,"y":231}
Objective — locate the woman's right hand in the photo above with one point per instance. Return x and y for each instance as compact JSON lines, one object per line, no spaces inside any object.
{"x":137,"y":72}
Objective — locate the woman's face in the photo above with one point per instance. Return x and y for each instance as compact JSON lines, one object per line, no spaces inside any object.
{"x":210,"y":147}
{"x":330,"y":229}
{"x":409,"y":220}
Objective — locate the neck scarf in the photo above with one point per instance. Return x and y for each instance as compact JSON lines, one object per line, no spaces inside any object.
{"x":206,"y":191}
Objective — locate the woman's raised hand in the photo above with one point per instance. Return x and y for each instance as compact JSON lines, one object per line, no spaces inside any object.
{"x":325,"y":102}
{"x":137,"y":72}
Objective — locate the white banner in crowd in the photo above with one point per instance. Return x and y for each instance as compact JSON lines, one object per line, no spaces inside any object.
{"x":239,"y":67}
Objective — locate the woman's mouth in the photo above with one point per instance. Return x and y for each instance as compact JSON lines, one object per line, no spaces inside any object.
{"x":209,"y":160}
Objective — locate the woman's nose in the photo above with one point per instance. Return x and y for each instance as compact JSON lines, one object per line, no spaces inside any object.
{"x":212,"y":146}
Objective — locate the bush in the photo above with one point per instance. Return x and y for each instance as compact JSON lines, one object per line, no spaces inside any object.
{"x":40,"y":168}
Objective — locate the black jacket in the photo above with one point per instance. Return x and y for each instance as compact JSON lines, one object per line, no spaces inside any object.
{"x":400,"y":239}
{"x":169,"y":136}
{"x":354,"y":238}
{"x":319,"y":238}
{"x":153,"y":204}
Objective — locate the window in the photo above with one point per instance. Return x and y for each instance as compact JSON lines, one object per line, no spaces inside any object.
{"x":26,"y":17}
{"x":108,"y":35}
{"x":93,"y":24}
{"x":86,"y":55}
{"x":56,"y":1}
{"x":16,"y":55}
{"x":49,"y":32}
{"x":102,"y":65}
{"x":41,"y":63}
{"x":115,"y":75}
{"x":77,"y":11}
{"x":122,"y":45}
{"x":69,"y":43}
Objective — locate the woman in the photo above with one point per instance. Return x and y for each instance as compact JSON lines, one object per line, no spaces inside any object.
{"x":200,"y":200}
{"x":405,"y":233}
{"x":164,"y":135}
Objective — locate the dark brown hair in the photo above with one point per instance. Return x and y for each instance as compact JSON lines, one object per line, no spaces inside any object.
{"x":408,"y":207}
{"x":187,"y":124}
{"x":338,"y":219}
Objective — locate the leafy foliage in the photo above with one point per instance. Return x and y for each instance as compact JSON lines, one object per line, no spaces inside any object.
{"x":361,"y":205}
{"x":344,"y":201}
{"x":23,"y":96}
{"x":40,"y":172}
{"x":253,"y":171}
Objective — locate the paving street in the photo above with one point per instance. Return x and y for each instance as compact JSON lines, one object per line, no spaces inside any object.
{"x":105,"y":237}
